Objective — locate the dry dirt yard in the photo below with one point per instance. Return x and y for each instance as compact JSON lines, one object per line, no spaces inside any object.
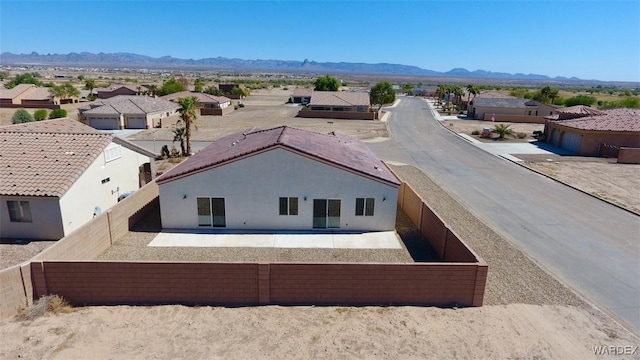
{"x":266,"y":109}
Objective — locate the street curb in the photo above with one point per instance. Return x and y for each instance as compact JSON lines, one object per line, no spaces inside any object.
{"x":543,"y":174}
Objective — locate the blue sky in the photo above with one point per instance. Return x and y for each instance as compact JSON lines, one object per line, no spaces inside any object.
{"x":587,"y":39}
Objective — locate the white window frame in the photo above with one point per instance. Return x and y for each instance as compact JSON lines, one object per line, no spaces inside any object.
{"x":112,"y":153}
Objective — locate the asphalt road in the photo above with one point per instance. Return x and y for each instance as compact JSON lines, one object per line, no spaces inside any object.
{"x":592,"y":246}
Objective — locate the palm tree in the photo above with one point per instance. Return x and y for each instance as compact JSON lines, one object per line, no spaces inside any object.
{"x":472,"y":89}
{"x":188,"y":114}
{"x":90,"y":84}
{"x":441,"y":92}
{"x":457,"y":93}
{"x":179,"y":135}
{"x":502,"y":130}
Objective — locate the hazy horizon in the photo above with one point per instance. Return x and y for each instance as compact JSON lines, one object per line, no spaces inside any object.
{"x":590,"y":40}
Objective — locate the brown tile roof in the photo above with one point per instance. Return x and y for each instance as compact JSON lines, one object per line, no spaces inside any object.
{"x":129,"y":104}
{"x":41,"y":93}
{"x":623,"y":120}
{"x":202,"y":97}
{"x":46,"y":158}
{"x":302,"y":92}
{"x":116,"y":87}
{"x":336,"y":149}
{"x":339,"y":98}
{"x":17,"y":90}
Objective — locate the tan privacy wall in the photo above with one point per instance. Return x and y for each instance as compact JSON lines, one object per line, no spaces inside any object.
{"x":114,"y":282}
{"x":355,"y":115}
{"x":15,"y":289}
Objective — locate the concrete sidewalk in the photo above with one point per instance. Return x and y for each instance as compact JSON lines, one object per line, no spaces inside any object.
{"x":368,"y":240}
{"x":506,"y":150}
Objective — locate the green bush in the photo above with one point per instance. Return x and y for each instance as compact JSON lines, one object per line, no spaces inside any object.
{"x":21,"y":116}
{"x":57,"y":113}
{"x":40,"y":115}
{"x":521,"y":135}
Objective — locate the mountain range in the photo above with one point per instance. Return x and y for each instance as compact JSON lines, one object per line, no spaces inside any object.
{"x":128,"y":60}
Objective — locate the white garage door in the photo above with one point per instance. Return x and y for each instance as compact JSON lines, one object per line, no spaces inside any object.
{"x":104,"y":123}
{"x":571,"y":142}
{"x":136,"y":123}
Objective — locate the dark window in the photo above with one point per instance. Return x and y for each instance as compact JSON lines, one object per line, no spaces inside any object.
{"x":211,"y":212}
{"x":288,"y":205}
{"x":19,"y":211}
{"x":365,"y":206}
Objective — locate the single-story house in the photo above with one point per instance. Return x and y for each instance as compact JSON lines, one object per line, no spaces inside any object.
{"x":339,"y":105}
{"x":58,"y":174}
{"x":127,"y":112}
{"x":508,"y":109}
{"x":301,"y":96}
{"x":573,"y":112}
{"x":29,"y":96}
{"x":210,"y":104}
{"x":115,"y":90}
{"x":426,"y":91}
{"x":280,"y":179}
{"x":586,"y":135}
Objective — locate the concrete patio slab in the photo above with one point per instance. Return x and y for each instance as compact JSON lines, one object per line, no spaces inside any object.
{"x":368,"y":240}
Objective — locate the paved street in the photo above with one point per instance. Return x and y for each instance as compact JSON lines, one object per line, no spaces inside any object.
{"x":591,"y":245}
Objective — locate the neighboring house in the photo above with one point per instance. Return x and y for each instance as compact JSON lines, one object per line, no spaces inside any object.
{"x":301,"y":96}
{"x":339,"y":105}
{"x":426,"y":91}
{"x":115,"y":90}
{"x":57,"y":174}
{"x":228,"y":90}
{"x":574,"y":112}
{"x":508,"y":109}
{"x":28,"y":96}
{"x":586,"y":135}
{"x":280,"y":179}
{"x":127,"y":112}
{"x":210,"y":104}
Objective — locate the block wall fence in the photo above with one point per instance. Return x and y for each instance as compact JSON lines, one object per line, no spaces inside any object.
{"x":68,"y":269}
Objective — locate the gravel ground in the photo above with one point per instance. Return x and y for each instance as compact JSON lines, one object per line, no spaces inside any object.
{"x":14,"y":252}
{"x":513,"y":277}
{"x":134,"y":247}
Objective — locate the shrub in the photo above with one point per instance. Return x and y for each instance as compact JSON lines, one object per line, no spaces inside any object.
{"x":475,"y":132}
{"x":50,"y":303}
{"x":40,"y":115}
{"x":57,"y":113}
{"x":21,"y":116}
{"x":241,"y":105}
{"x":521,"y":135}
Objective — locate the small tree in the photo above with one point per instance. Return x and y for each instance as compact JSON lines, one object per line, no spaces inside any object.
{"x":57,"y":113}
{"x":171,"y":86}
{"x":382,"y":93}
{"x":326,"y":83}
{"x":502,"y":130}
{"x":21,"y":116}
{"x":40,"y":115}
{"x":212,"y":90}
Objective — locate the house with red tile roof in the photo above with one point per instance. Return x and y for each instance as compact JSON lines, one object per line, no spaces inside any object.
{"x":280,"y":179}
{"x":115,"y":90}
{"x":127,"y":112}
{"x":56,"y":175}
{"x":209,"y":104}
{"x":587,"y":134}
{"x":339,"y":105}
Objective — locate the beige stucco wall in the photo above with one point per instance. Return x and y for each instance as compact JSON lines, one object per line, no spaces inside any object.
{"x":45,"y":213}
{"x":77,"y":205}
{"x":251,"y":188}
{"x":590,"y":140}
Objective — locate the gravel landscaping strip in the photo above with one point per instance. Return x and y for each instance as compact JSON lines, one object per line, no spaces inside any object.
{"x":14,"y":252}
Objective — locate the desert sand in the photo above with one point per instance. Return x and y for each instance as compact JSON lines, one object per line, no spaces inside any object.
{"x":514,"y":331}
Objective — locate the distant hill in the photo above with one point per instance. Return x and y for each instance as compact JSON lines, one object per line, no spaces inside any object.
{"x":129,"y":60}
